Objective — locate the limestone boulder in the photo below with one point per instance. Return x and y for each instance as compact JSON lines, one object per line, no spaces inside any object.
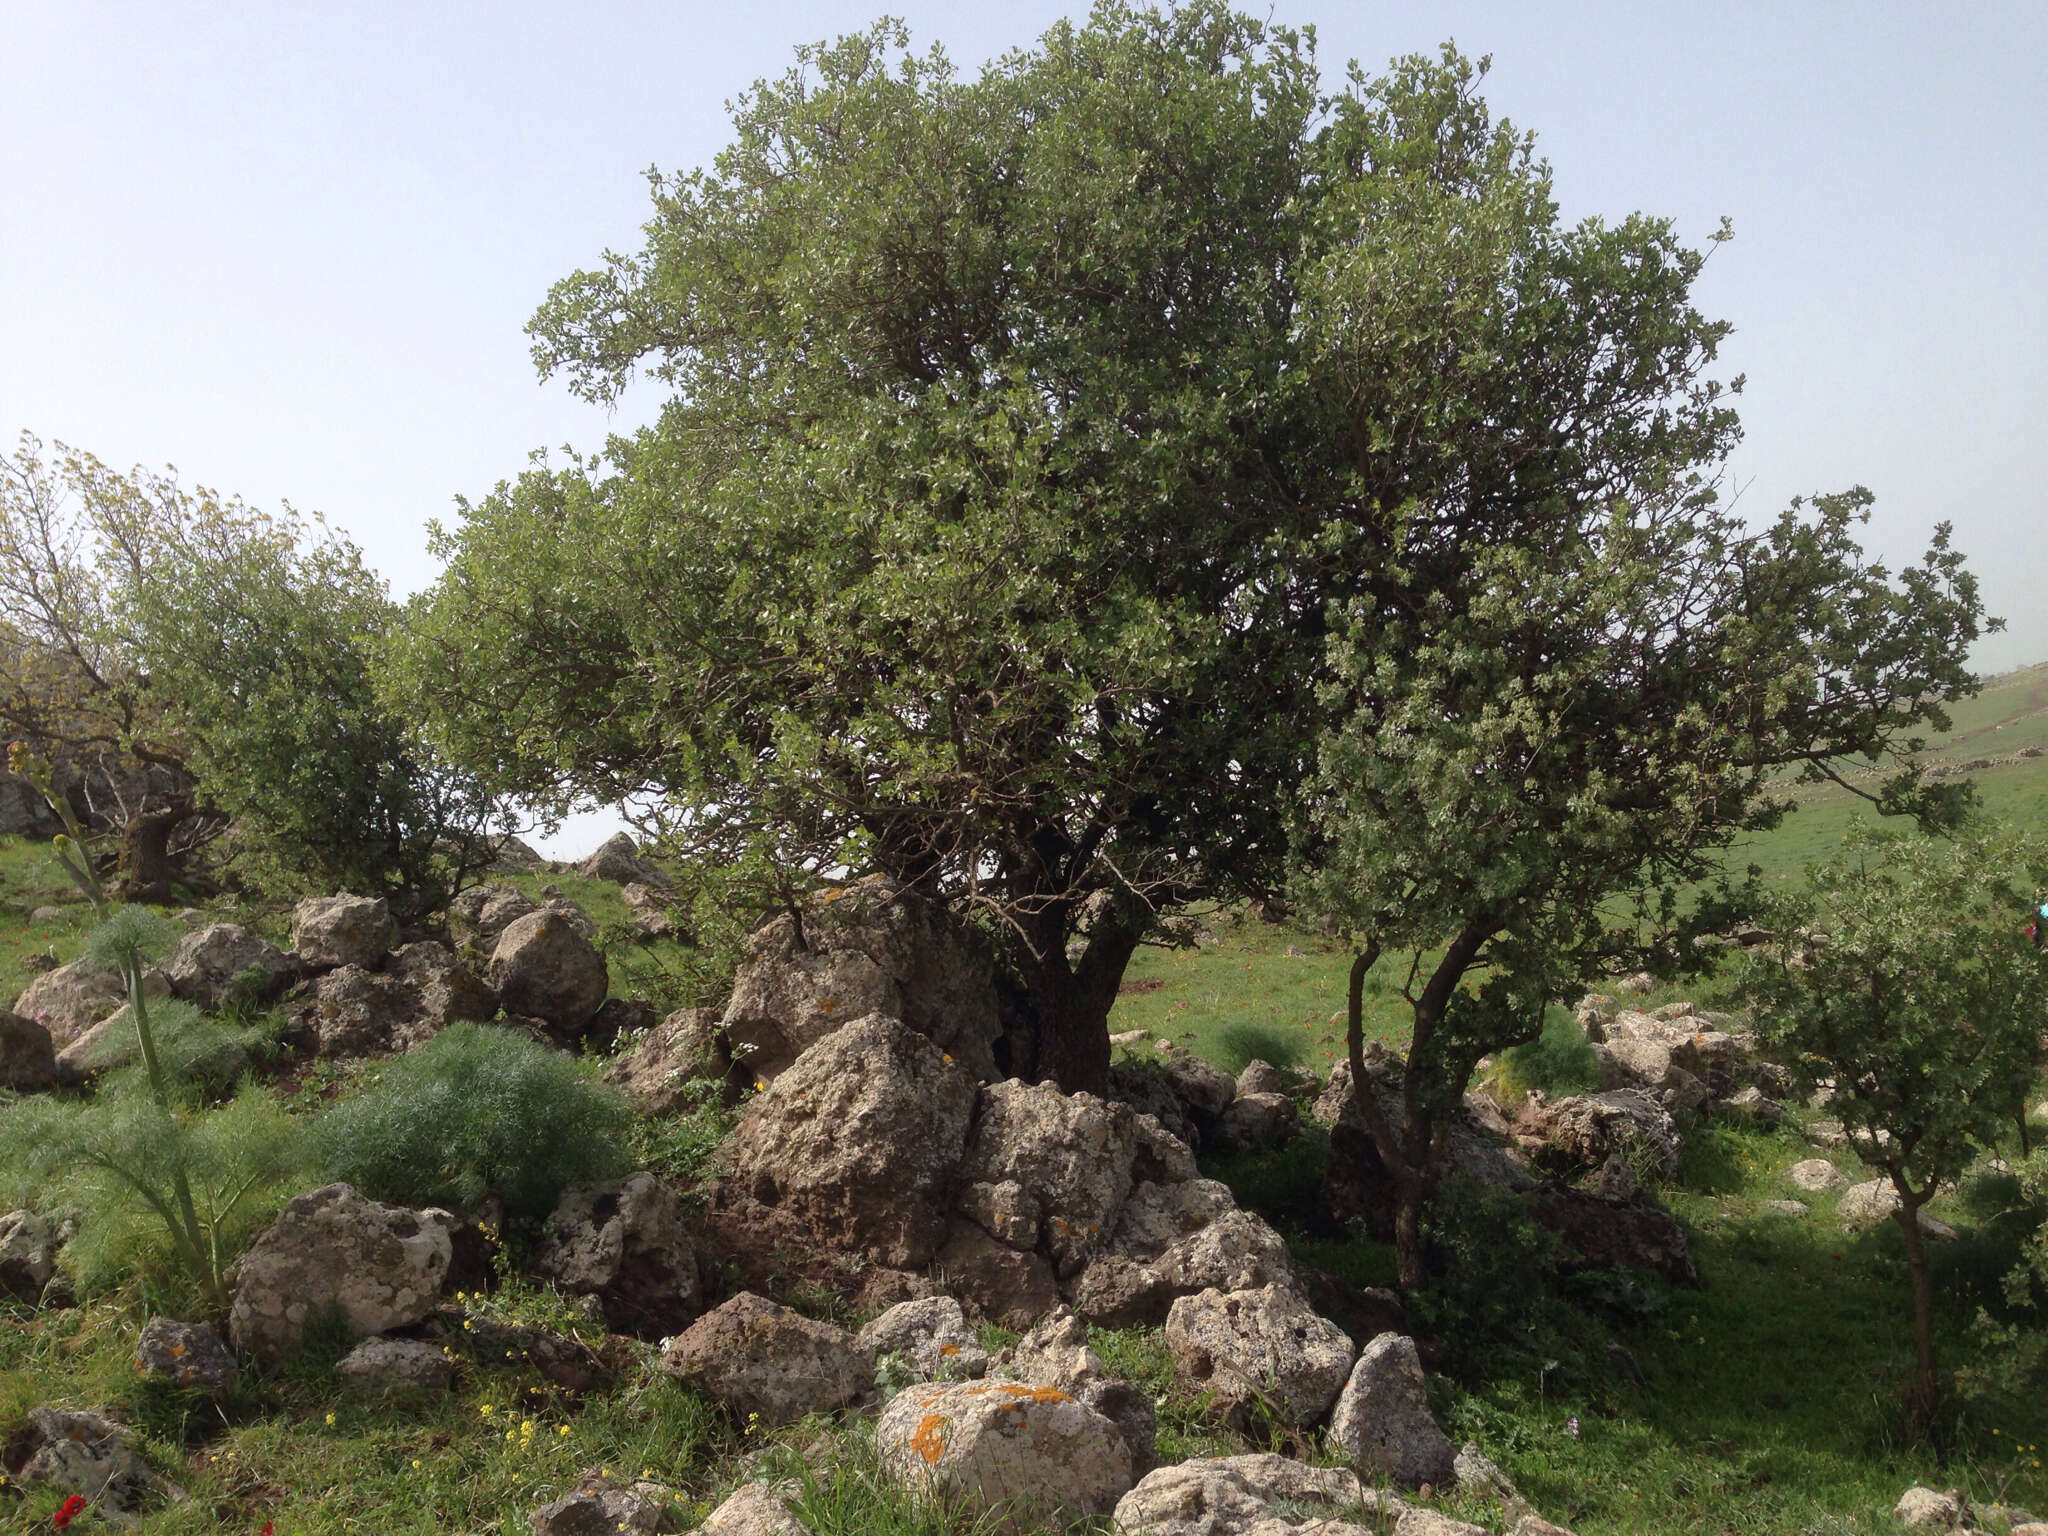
{"x":599,"y":1506}
{"x":1606,"y":1232}
{"x":1582,"y":1131}
{"x":1255,"y":1122}
{"x":1175,"y":1240}
{"x":626,"y":1243}
{"x":1817,"y":1175}
{"x":331,"y":1251}
{"x":1033,"y":1457}
{"x":1054,"y":1353}
{"x":861,"y":1141}
{"x":1261,"y":1076}
{"x":1382,"y":1418}
{"x":930,"y":1336}
{"x":444,"y":988}
{"x":350,"y":1011}
{"x":1007,"y":1211}
{"x":1129,"y":1407}
{"x":225,"y":961}
{"x":1929,"y":1509}
{"x":28,"y":1059}
{"x":543,"y":968}
{"x":1009,"y":1286}
{"x":483,"y":912}
{"x":757,"y":1357}
{"x":329,"y":931}
{"x":69,"y":1000}
{"x":76,"y":1451}
{"x":386,"y":1365}
{"x":874,"y":947}
{"x":1260,"y":1494}
{"x":755,"y":1509}
{"x":185,"y":1355}
{"x":1263,"y":1348}
{"x":618,"y":860}
{"x":1074,"y":1153}
{"x":30,"y":1242}
{"x":659,"y":1071}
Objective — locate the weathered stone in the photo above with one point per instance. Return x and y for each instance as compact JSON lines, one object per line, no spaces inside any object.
{"x":350,"y":1011}
{"x":330,"y":1251}
{"x":1243,"y":1496}
{"x":1925,"y":1507}
{"x":207,"y":968}
{"x":1817,"y":1175}
{"x":444,"y":989}
{"x":414,"y":1365}
{"x":1607,"y":1234}
{"x":486,"y":911}
{"x":1055,"y":1353}
{"x":1475,"y":1472}
{"x":1784,"y":1207}
{"x":930,"y":1336}
{"x":1129,"y":1408}
{"x":71,"y":999}
{"x":1382,"y":1419}
{"x":342,"y":930}
{"x":1584,"y":1130}
{"x":760,"y":1358}
{"x":618,"y":860}
{"x":597,"y":1506}
{"x":28,"y":1060}
{"x":76,"y":1451}
{"x":542,"y":967}
{"x":1750,"y":1104}
{"x":1875,"y":1201}
{"x":1160,"y":1157}
{"x":1256,"y":1121}
{"x":625,"y":1243}
{"x":1007,"y":1211}
{"x":1004,"y":1284}
{"x":1031,"y":1456}
{"x":185,"y":1355}
{"x":1073,"y":1152}
{"x":1263,"y":1077}
{"x":1142,"y":1083}
{"x":755,"y":1509}
{"x":658,"y":1071}
{"x":1415,"y":1521}
{"x":1173,"y":1240}
{"x":873,"y":947}
{"x":861,"y":1141}
{"x":1260,"y":1348}
{"x":29,"y":1244}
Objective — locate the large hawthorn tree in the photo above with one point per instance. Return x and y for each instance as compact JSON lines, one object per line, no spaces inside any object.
{"x":1025,"y":435}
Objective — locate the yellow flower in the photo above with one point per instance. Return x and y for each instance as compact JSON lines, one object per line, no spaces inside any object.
{"x":563,"y":1430}
{"x":415,"y":1463}
{"x":484,"y":1410}
{"x":330,"y":1420}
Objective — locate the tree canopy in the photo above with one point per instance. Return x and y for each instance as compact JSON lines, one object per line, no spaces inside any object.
{"x":1047,"y":455}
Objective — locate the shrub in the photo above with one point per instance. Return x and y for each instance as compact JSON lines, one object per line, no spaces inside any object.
{"x":479,"y":1110}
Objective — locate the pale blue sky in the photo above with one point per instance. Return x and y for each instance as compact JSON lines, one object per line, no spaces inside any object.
{"x":290,"y":248}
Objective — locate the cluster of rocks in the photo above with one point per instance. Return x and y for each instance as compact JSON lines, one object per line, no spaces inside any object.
{"x":1922,"y":1508}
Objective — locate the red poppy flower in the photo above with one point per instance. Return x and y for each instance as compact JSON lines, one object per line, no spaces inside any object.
{"x":65,"y":1511}
{"x":265,"y":1530}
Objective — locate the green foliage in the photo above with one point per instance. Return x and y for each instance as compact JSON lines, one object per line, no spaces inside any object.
{"x":1915,"y":996}
{"x":1559,"y":1061}
{"x":1492,"y":1269}
{"x":120,"y":1159}
{"x":682,"y":1144}
{"x":478,"y":1110}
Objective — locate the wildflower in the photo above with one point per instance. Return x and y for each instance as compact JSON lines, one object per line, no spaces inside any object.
{"x":562,"y":1429}
{"x":1571,"y":1426}
{"x":330,"y":1421}
{"x":266,"y":1529}
{"x":415,"y":1463}
{"x":67,"y":1511}
{"x":484,"y":1410}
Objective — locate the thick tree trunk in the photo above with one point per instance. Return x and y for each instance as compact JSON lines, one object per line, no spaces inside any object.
{"x":1073,"y":1000}
{"x":1924,"y":1396}
{"x":147,"y":872}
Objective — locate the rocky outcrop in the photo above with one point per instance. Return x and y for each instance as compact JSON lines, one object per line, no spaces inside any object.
{"x":543,"y":968}
{"x":1174,"y":1240}
{"x":351,"y":1011}
{"x":1262,"y":1349}
{"x":1073,"y":1153}
{"x":79,"y":1452}
{"x":755,"y":1509}
{"x":657,"y":1072}
{"x":598,"y":1506}
{"x":30,"y":1242}
{"x":329,"y":931}
{"x":759,"y":1358}
{"x":1382,"y":1419}
{"x":618,"y":860}
{"x":1583,"y":1131}
{"x":387,"y":1365}
{"x":28,"y":1060}
{"x":1256,"y":1122}
{"x":860,"y":1141}
{"x":1611,"y":1231}
{"x":1033,"y":1457}
{"x":869,"y":948}
{"x":1256,"y":1495}
{"x":1816,"y":1175}
{"x":1010,"y":1286}
{"x":69,"y":1000}
{"x":225,"y":961}
{"x":930,"y":1337}
{"x":185,"y":1355}
{"x":332,"y":1252}
{"x":483,"y":912}
{"x":625,"y":1243}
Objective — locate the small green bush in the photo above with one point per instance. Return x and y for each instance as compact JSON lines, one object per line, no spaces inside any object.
{"x":1560,"y":1060}
{"x":479,"y":1110}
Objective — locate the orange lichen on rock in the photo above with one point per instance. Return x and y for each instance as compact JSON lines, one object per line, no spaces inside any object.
{"x":1036,"y":1394}
{"x":930,"y":1440}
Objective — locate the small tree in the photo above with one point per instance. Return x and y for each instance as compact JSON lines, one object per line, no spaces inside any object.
{"x":1913,"y":995}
